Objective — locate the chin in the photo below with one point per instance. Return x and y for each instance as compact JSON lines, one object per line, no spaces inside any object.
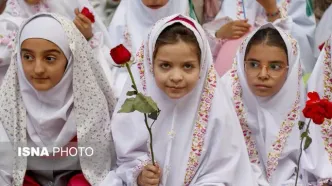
{"x":175,"y":96}
{"x":41,"y":87}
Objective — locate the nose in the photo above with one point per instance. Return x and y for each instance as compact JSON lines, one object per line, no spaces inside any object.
{"x":39,"y":67}
{"x":176,"y":76}
{"x":263,"y":74}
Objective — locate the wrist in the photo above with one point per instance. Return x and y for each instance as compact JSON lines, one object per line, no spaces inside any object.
{"x":271,"y":9}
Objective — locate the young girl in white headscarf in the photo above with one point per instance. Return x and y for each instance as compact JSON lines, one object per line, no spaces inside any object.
{"x":18,"y":10}
{"x":238,"y":17}
{"x":268,"y":94}
{"x":133,"y":20}
{"x":318,"y":157}
{"x":54,"y":93}
{"x":196,"y":139}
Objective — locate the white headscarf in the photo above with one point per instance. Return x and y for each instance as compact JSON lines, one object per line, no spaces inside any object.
{"x":270,"y":124}
{"x":194,"y":142}
{"x":83,"y":84}
{"x":318,"y":159}
{"x":48,"y":112}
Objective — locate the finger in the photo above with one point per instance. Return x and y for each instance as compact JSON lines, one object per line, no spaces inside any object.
{"x":84,"y":19}
{"x":152,"y":168}
{"x":239,"y":33}
{"x":152,"y":181}
{"x":242,"y":23}
{"x":239,"y":28}
{"x":149,"y":174}
{"x":77,"y":11}
{"x":78,"y":24}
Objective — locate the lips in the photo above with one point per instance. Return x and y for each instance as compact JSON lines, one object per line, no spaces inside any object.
{"x":261,"y":86}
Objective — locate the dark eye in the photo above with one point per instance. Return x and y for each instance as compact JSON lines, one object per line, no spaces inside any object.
{"x":254,"y":64}
{"x":165,"y":66}
{"x":188,"y":66}
{"x":28,"y":57}
{"x":50,"y":59}
{"x":275,"y":66}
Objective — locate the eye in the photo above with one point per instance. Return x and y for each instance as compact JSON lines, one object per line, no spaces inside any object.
{"x":275,"y":66}
{"x":50,"y":59}
{"x":253,"y":64}
{"x":28,"y":57}
{"x":165,"y":66}
{"x":188,"y":66}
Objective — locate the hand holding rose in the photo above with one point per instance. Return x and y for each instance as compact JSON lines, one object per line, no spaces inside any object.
{"x":150,"y":176}
{"x":233,"y":29}
{"x":83,"y":22}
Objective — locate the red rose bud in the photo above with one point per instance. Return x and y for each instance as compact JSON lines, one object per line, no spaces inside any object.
{"x":320,"y":47}
{"x":120,"y":55}
{"x":86,"y":12}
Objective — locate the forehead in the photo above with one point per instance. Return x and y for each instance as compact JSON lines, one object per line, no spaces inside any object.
{"x":38,"y":44}
{"x":266,"y":52}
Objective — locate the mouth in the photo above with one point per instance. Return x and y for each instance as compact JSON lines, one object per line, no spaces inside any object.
{"x":175,"y":88}
{"x":155,"y":6}
{"x":263,"y":87}
{"x":38,"y":78}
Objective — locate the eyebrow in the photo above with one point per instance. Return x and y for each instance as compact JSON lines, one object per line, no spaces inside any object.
{"x":274,"y":61}
{"x":46,"y":51}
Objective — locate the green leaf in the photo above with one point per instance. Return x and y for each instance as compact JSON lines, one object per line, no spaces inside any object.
{"x":145,"y":104}
{"x":128,"y":106}
{"x":307,"y":142}
{"x":301,"y":124}
{"x":131,"y":93}
{"x":154,"y":115}
{"x":304,"y":135}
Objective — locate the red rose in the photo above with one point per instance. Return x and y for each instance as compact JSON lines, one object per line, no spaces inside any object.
{"x":78,"y":179}
{"x":120,"y":55}
{"x":86,"y":12}
{"x":317,"y":109}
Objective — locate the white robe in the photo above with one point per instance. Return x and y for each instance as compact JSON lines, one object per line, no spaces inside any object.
{"x":270,"y":122}
{"x":92,"y":104}
{"x":197,"y":139}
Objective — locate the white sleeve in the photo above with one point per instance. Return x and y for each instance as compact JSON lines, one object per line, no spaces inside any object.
{"x":6,"y":160}
{"x":323,"y":30}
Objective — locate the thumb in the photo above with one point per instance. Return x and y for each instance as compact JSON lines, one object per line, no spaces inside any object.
{"x":77,"y":11}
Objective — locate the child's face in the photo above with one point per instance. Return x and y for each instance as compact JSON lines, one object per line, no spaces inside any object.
{"x":176,"y":69}
{"x":154,"y":4}
{"x":32,"y":2}
{"x":266,"y":69}
{"x":43,"y":63}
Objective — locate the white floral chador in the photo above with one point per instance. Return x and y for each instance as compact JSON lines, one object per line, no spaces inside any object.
{"x":197,"y":139}
{"x":92,"y":105}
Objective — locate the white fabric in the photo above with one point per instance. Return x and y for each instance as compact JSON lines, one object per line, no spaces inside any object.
{"x":223,"y":157}
{"x":83,"y":84}
{"x":130,"y":25}
{"x":265,"y":116}
{"x":18,"y":10}
{"x":48,"y":111}
{"x":323,"y":30}
{"x":293,"y":9}
{"x":317,"y":157}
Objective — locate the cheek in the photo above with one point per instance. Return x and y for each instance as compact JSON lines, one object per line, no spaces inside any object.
{"x":57,"y":71}
{"x":279,"y":83}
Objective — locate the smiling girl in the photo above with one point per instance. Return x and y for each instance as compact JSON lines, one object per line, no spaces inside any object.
{"x":194,"y":142}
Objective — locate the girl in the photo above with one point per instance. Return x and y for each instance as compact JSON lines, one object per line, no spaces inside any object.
{"x":267,"y":93}
{"x":54,"y":93}
{"x":318,"y":159}
{"x":133,"y":20}
{"x":237,"y":17}
{"x":19,"y":10}
{"x":196,"y":138}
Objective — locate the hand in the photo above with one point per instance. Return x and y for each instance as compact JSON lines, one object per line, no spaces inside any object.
{"x":83,"y":24}
{"x":150,"y":176}
{"x":270,"y":6}
{"x":233,"y":29}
